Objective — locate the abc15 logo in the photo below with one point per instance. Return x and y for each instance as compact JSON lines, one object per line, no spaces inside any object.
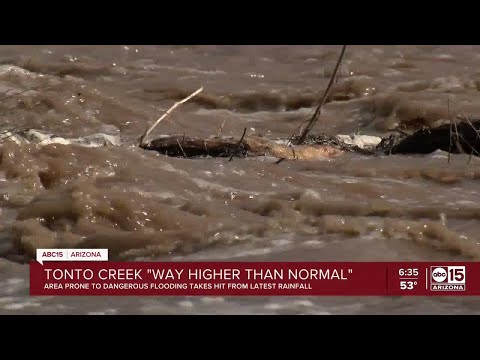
{"x":448,"y":274}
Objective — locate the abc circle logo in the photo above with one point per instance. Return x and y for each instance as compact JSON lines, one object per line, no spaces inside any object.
{"x":439,"y":274}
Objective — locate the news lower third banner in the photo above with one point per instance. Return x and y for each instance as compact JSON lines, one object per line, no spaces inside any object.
{"x":88,"y":272}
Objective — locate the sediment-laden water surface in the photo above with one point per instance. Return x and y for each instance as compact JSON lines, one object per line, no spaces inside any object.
{"x":144,"y":205}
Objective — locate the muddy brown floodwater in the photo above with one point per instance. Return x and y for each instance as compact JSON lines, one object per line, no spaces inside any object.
{"x":143,"y":205}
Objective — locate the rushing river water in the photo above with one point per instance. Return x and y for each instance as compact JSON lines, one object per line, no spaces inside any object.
{"x":143,"y":205}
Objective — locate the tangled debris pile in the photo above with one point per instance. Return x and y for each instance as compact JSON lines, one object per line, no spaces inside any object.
{"x":461,"y":137}
{"x":458,"y":138}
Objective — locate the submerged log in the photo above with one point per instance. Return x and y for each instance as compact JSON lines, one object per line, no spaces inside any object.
{"x":181,"y":146}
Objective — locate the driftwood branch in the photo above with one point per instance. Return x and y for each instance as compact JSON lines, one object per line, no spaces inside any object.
{"x":149,"y":130}
{"x":193,"y":147}
{"x":316,"y":115}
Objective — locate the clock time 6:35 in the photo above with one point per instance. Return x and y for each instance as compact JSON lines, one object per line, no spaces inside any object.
{"x":408,"y":272}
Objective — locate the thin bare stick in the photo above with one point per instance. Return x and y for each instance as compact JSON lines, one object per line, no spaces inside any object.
{"x":316,"y":115}
{"x":293,"y":152}
{"x":205,"y":146}
{"x":457,"y":140}
{"x":181,"y":148}
{"x":149,"y":130}
{"x":457,"y":143}
{"x":239,"y":143}
{"x":221,"y":128}
{"x":471,"y":125}
{"x":280,"y":160}
{"x":476,"y":131}
{"x":468,"y":144}
{"x":302,"y":129}
{"x":299,"y":128}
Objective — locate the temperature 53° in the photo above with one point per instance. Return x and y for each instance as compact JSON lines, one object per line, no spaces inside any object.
{"x":407,"y":284}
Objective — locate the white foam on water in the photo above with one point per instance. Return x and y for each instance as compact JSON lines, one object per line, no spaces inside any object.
{"x":212,"y":300}
{"x":41,"y":138}
{"x":105,"y":312}
{"x":17,"y":70}
{"x":186,"y":304}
